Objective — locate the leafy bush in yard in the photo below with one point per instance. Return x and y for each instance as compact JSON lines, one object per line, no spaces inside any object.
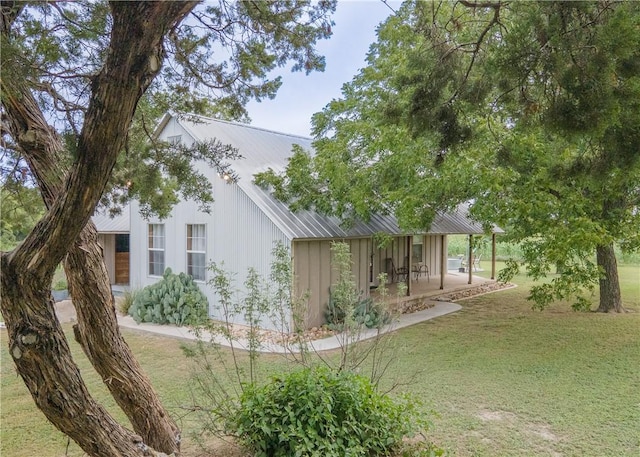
{"x":176,"y":299}
{"x":366,"y":312}
{"x":60,"y":284}
{"x":327,"y":411}
{"x":320,"y":412}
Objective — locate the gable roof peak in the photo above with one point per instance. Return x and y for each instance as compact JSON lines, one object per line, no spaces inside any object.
{"x":194,"y":118}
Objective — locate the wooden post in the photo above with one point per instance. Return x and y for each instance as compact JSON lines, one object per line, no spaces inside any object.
{"x":470,"y":260}
{"x":493,"y":256}
{"x":409,"y":249}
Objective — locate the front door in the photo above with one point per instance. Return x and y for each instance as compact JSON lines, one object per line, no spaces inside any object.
{"x":122,"y":258}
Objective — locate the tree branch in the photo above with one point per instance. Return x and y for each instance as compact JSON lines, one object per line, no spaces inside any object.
{"x":494,"y":20}
{"x":130,"y":67}
{"x":470,"y":4}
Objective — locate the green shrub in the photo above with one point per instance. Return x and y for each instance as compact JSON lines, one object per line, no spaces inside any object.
{"x":365,"y":312}
{"x":371,"y":314}
{"x":320,"y":412}
{"x":334,"y":314}
{"x":60,"y":284}
{"x":176,"y":299}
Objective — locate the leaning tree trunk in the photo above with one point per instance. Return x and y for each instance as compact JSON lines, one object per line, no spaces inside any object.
{"x":36,"y":340}
{"x":42,"y":357}
{"x":610,"y":298}
{"x":98,"y":333}
{"x":97,"y":330}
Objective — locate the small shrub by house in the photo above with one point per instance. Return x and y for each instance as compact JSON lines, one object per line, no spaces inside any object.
{"x":176,"y":299}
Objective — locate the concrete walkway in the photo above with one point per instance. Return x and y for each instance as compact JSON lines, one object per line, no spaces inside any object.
{"x":325,"y":344}
{"x":67,"y":313}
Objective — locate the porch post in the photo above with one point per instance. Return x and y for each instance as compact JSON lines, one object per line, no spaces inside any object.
{"x":443,"y":259}
{"x":493,"y":256}
{"x":470,"y":260}
{"x":409,"y":255}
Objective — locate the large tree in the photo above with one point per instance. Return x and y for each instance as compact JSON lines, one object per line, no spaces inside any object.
{"x":530,"y":110}
{"x":72,"y":77}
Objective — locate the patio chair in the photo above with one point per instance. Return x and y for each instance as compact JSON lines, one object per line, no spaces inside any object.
{"x":418,"y":269}
{"x":397,"y":273}
{"x":476,"y":263}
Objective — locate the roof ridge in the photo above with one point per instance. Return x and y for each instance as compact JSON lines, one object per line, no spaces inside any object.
{"x":186,"y":116}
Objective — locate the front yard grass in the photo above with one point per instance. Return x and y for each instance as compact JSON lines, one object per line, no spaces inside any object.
{"x":503,"y":379}
{"x":510,"y":381}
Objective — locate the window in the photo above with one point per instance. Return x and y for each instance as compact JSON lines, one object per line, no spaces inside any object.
{"x":196,"y":251}
{"x":122,"y":242}
{"x":417,"y":249}
{"x":174,"y":140}
{"x":156,"y":249}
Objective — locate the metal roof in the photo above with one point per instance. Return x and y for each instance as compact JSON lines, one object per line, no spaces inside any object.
{"x":263,"y":149}
{"x":107,"y":224}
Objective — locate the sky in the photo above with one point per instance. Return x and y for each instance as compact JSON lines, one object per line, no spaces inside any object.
{"x":300,"y":95}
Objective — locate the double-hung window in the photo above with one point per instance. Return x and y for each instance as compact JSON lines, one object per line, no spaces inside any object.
{"x":156,"y":249}
{"x":196,"y":251}
{"x":417,"y":248}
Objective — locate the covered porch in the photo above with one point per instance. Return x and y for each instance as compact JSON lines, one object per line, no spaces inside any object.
{"x":381,"y":251}
{"x":423,"y":288}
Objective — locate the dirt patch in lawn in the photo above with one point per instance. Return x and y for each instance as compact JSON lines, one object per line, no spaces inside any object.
{"x":213,"y":447}
{"x":538,"y":436}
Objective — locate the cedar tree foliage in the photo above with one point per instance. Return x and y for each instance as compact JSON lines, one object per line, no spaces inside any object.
{"x":74,"y":77}
{"x":528,"y":110}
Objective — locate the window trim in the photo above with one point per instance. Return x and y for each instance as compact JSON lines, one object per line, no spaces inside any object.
{"x":155,"y":249}
{"x":193,"y":251}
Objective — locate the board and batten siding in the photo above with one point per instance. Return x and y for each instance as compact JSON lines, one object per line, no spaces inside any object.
{"x":314,"y":274}
{"x":432,"y":253}
{"x":397,"y":251}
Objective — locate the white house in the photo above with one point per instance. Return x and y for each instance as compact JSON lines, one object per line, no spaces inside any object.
{"x":246,"y":221}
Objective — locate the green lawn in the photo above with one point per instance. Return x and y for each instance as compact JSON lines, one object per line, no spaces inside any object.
{"x":510,"y":381}
{"x":503,"y":379}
